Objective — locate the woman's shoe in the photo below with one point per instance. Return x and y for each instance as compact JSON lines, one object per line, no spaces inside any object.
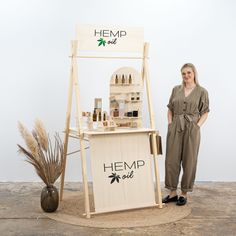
{"x":168,"y":199}
{"x":181,"y":201}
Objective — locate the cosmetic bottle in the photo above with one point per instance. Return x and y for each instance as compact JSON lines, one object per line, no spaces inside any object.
{"x":98,"y":104}
{"x":130,"y":79}
{"x":121,"y":108}
{"x":100,"y":116}
{"x":135,"y":113}
{"x":90,"y":122}
{"x":116,"y":80}
{"x":95,"y":115}
{"x":95,"y":123}
{"x":116,"y":113}
{"x":132,"y":97}
{"x":123,"y":79}
{"x":104,"y":116}
{"x":129,"y":113}
{"x":84,"y":120}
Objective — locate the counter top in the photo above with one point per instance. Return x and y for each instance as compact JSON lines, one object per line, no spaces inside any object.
{"x":117,"y":131}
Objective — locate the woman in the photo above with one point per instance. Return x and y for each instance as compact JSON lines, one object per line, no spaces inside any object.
{"x":188,"y":110}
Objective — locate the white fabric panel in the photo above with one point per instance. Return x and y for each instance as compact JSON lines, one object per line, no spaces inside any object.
{"x":121,"y":154}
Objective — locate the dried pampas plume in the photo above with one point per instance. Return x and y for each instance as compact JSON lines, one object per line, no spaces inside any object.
{"x":30,"y":141}
{"x":41,"y":134}
{"x":47,"y":158}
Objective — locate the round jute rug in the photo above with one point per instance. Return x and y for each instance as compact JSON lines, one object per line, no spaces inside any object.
{"x":71,"y":211}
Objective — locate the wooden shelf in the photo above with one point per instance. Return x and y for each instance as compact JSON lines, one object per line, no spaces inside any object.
{"x":73,"y":131}
{"x":133,"y":101}
{"x":112,"y":99}
{"x":125,"y":85}
{"x":130,"y":92}
{"x":120,"y":131}
{"x":126,"y":117}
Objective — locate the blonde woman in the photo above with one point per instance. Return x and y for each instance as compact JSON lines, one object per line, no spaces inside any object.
{"x":188,"y":110}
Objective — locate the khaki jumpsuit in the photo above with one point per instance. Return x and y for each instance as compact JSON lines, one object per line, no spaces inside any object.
{"x":183,"y":136}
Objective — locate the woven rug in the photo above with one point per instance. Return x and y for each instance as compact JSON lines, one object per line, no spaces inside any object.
{"x":71,"y":211}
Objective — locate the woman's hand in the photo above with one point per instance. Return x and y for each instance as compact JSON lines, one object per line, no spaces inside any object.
{"x":202,"y":119}
{"x":169,"y":116}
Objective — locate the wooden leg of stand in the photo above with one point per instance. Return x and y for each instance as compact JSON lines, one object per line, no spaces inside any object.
{"x":156,"y":169}
{"x":64,"y":164}
{"x":85,"y":181}
{"x":66,"y":136}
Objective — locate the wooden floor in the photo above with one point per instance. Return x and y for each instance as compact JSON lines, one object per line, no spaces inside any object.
{"x":213,"y":213}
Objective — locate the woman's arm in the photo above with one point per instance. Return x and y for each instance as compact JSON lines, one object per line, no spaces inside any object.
{"x":169,"y":116}
{"x":202,"y":119}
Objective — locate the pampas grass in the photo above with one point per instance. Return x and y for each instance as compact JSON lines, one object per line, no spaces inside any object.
{"x":47,"y":158}
{"x":42,"y":135}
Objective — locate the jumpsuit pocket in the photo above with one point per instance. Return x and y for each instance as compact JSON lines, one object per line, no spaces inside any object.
{"x":169,"y":128}
{"x":196,"y":125}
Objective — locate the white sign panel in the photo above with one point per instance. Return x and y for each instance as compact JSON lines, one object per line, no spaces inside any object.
{"x":105,"y":38}
{"x":121,"y":171}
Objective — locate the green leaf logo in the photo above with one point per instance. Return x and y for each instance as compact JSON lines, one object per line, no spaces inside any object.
{"x":101,"y":42}
{"x":114,"y":177}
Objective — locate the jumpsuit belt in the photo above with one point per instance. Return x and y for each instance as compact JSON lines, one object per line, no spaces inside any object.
{"x":183,"y":120}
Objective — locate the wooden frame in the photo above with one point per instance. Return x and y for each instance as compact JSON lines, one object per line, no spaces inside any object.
{"x":74,"y":86}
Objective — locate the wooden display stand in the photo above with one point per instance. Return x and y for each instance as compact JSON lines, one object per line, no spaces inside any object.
{"x":120,"y":160}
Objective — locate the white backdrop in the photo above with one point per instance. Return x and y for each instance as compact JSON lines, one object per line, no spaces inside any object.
{"x":34,"y":70}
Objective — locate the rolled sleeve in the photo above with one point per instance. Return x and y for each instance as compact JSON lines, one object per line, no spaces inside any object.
{"x":170,"y":105}
{"x":204,"y":103}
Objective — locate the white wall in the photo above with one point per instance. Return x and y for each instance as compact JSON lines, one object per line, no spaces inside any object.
{"x":34,"y":69}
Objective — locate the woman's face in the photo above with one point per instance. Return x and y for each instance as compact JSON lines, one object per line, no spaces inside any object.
{"x":188,"y":75}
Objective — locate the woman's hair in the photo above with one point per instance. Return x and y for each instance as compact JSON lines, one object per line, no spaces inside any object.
{"x":190,"y":65}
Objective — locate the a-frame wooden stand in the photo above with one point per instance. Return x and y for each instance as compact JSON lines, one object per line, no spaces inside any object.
{"x":74,"y":86}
